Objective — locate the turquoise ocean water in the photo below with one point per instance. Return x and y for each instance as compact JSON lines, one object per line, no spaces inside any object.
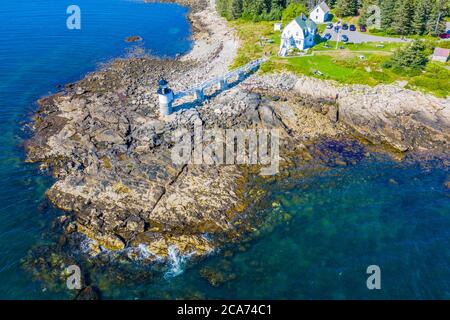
{"x":327,"y":227}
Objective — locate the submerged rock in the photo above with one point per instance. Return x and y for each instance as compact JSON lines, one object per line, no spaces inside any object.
{"x":88,"y":293}
{"x":133,"y":39}
{"x":216,"y":277}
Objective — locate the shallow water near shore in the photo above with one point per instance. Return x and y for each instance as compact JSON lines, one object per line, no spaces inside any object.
{"x":324,"y":230}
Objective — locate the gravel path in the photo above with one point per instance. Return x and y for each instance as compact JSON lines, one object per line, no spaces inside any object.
{"x":217,"y":47}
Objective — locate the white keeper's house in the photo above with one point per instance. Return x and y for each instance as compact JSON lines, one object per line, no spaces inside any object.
{"x":300,"y":33}
{"x":321,"y":13}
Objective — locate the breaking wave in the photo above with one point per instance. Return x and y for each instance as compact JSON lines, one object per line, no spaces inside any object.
{"x":176,"y":262}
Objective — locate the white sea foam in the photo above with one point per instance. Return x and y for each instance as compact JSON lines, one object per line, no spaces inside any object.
{"x":144,"y":253}
{"x":176,"y":262}
{"x":85,"y":244}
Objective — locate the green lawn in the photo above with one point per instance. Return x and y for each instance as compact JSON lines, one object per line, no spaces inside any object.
{"x":251,"y":46}
{"x":388,"y":47}
{"x":342,"y":65}
{"x":347,"y":68}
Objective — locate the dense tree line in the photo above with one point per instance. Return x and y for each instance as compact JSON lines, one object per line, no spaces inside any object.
{"x":407,"y":17}
{"x":403,"y":17}
{"x":263,"y":9}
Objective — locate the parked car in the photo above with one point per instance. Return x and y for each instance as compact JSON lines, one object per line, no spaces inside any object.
{"x":352,"y":27}
{"x":327,"y":36}
{"x":344,"y":26}
{"x":362,"y":28}
{"x":344,"y":38}
{"x":330,"y":26}
{"x":444,"y":36}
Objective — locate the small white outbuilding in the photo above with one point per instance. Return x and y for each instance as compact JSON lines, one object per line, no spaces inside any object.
{"x":441,"y":55}
{"x":277,"y":26}
{"x":321,"y":13}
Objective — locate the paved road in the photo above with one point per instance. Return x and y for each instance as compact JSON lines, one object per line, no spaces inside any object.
{"x":360,"y":37}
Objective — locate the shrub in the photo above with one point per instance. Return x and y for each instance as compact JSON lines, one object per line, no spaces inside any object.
{"x":413,"y":56}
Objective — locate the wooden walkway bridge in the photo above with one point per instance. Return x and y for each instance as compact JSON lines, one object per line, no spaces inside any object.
{"x":223,"y":82}
{"x":215,"y":85}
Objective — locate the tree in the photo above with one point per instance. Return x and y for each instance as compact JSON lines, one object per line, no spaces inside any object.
{"x":404,"y":14}
{"x":436,"y":23}
{"x":276,"y":9}
{"x":222,"y":7}
{"x":421,"y":15}
{"x":331,"y":3}
{"x":387,"y":13}
{"x":346,"y":8}
{"x":411,"y":57}
{"x":293,"y":10}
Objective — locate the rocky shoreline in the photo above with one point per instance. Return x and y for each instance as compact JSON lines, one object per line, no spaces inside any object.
{"x":109,"y":150}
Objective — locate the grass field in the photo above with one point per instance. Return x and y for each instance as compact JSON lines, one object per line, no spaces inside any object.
{"x":342,"y":65}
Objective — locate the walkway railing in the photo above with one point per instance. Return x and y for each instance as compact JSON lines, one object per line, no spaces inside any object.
{"x":222,"y":82}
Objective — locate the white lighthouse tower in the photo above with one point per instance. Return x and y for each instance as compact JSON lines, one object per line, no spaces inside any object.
{"x":165,"y":95}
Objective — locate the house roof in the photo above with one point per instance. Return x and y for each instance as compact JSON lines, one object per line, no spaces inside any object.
{"x":305,"y":23}
{"x":441,"y":52}
{"x":323,"y":5}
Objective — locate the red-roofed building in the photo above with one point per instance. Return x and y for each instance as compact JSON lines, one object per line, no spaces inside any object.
{"x":441,"y":54}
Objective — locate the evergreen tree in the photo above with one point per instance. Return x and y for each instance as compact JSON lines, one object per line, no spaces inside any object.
{"x":331,"y":3}
{"x":345,"y":8}
{"x":404,"y":14}
{"x":222,"y":7}
{"x":411,"y":57}
{"x":421,"y":15}
{"x":276,"y":8}
{"x":436,"y":22}
{"x":387,"y":13}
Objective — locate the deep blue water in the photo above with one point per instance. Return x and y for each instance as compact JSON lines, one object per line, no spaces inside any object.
{"x":37,"y":53}
{"x":325,"y":228}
